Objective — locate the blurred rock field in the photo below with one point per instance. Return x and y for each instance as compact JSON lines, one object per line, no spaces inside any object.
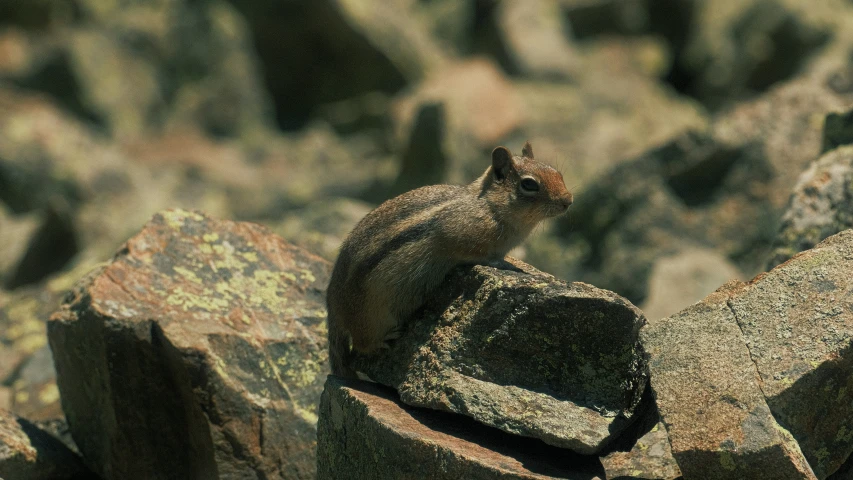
{"x":176,"y":177}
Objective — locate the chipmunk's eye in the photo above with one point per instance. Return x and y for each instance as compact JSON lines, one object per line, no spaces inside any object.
{"x":529,"y":186}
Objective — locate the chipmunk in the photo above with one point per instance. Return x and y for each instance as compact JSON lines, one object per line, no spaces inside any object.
{"x":404,"y":248}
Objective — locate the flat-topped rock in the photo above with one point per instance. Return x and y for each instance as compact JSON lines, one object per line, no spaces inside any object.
{"x":198,"y":352}
{"x":524,"y":352}
{"x":365,"y":433}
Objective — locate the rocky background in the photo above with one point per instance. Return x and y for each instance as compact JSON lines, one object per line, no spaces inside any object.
{"x":704,"y":141}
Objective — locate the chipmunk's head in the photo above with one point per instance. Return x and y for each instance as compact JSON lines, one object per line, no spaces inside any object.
{"x":533,"y":190}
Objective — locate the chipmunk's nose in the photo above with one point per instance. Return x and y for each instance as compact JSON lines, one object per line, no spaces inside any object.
{"x":566,"y":201}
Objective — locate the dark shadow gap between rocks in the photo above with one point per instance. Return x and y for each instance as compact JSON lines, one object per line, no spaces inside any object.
{"x":51,"y":249}
{"x":56,"y":79}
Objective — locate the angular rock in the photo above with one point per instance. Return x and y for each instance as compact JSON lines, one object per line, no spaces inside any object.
{"x":787,"y":123}
{"x":201,"y":336}
{"x":29,"y":453}
{"x":23,"y":319}
{"x":523,"y":352}
{"x":425,"y":161}
{"x":650,"y":458}
{"x":34,"y":390}
{"x":708,"y":394}
{"x":365,"y":433}
{"x":49,"y":249}
{"x":798,"y":323}
{"x":821,"y":205}
{"x":26,"y":364}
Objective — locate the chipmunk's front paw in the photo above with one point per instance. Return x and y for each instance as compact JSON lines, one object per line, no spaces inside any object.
{"x":390,"y":337}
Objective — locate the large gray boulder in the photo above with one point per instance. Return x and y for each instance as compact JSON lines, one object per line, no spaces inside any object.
{"x":524,"y":352}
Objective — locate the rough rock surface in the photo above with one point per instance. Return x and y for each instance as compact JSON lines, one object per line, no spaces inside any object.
{"x":365,"y":433}
{"x":201,"y":336}
{"x":28,"y":453}
{"x":650,"y":458}
{"x":523,"y":352}
{"x":821,"y":205}
{"x":797,"y":321}
{"x":706,"y":388}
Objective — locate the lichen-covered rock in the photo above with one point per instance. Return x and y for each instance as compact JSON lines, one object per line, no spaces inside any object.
{"x":201,"y":336}
{"x":649,"y":459}
{"x":523,"y":352}
{"x":708,"y":393}
{"x":365,"y":433}
{"x":29,"y":453}
{"x":821,"y":205}
{"x":797,"y":321}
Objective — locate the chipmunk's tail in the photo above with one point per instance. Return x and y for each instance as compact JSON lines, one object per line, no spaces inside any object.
{"x":339,"y":350}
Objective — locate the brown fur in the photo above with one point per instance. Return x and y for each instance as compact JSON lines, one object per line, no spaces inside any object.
{"x":406,"y":246}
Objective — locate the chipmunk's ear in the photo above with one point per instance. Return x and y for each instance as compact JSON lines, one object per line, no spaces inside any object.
{"x":501,"y":162}
{"x":527,"y":151}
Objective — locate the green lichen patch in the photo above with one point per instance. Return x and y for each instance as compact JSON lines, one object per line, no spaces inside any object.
{"x":224,"y":322}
